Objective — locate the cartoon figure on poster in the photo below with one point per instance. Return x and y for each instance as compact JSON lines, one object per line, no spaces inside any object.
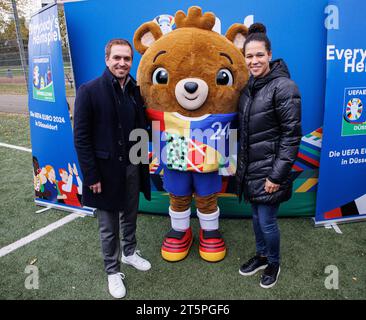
{"x":39,"y":180}
{"x":190,"y":79}
{"x":67,"y":188}
{"x":36,"y":76}
{"x":51,"y":184}
{"x":63,"y":191}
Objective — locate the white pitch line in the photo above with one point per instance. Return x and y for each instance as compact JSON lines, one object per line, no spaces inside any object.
{"x":14,"y":147}
{"x":37,"y":234}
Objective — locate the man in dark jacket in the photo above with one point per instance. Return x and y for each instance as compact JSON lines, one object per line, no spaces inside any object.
{"x":107,"y":109}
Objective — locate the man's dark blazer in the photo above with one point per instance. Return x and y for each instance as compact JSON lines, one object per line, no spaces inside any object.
{"x":100,"y":143}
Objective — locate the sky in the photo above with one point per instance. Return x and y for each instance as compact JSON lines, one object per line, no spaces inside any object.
{"x":32,"y":7}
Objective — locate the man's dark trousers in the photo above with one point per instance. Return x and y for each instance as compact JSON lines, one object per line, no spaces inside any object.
{"x":112,"y":224}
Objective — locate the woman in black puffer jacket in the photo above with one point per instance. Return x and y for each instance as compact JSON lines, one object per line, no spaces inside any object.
{"x":270,"y":135}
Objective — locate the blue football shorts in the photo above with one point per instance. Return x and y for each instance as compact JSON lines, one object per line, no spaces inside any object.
{"x":185,"y":183}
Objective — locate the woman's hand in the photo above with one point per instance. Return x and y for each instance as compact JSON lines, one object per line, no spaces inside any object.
{"x":271,"y":187}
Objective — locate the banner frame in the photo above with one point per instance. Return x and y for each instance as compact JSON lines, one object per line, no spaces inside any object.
{"x":83,"y":210}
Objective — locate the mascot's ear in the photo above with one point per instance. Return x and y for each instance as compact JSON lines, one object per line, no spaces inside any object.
{"x":237,"y":34}
{"x":146,"y":35}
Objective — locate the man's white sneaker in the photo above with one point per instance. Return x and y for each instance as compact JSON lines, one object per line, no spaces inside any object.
{"x":116,"y":286}
{"x":136,"y":261}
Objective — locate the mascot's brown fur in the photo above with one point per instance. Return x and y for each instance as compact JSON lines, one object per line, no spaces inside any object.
{"x":194,"y":72}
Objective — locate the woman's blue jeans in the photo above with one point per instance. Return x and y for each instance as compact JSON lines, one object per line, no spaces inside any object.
{"x":267,"y":233}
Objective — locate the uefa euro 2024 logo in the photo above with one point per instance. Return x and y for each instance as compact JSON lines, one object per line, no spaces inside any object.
{"x":353,"y":110}
{"x":354,"y":116}
{"x":166,"y":23}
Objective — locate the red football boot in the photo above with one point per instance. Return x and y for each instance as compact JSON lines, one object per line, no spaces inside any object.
{"x":212,"y":246}
{"x":176,"y":245}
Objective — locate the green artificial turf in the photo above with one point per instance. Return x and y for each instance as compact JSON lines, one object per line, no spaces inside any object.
{"x":14,"y":129}
{"x":71,"y":267}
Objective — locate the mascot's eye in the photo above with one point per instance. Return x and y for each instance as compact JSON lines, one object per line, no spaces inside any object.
{"x":160,"y":76}
{"x":224,"y":78}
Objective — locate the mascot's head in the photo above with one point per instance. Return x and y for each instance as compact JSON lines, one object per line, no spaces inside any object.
{"x":191,"y":70}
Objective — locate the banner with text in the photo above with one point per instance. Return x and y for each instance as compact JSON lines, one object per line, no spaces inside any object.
{"x":92,"y":23}
{"x":342,"y":192}
{"x":57,"y":182}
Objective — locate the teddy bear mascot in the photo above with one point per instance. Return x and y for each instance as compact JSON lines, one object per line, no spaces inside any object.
{"x":190,"y":79}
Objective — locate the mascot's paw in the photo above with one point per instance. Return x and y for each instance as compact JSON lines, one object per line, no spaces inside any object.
{"x":176,"y":245}
{"x":212,"y":246}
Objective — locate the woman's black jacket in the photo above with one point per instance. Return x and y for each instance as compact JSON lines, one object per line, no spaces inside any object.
{"x":270,"y":135}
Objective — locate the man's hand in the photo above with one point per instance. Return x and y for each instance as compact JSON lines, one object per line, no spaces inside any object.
{"x":96,"y":188}
{"x":271,"y":187}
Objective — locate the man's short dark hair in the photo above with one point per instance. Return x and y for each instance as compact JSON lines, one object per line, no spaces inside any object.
{"x":117,"y":41}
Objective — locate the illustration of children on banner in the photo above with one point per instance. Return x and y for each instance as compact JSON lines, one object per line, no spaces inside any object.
{"x":69,"y":190}
{"x":39,"y":180}
{"x":52,"y":184}
{"x":64,"y":191}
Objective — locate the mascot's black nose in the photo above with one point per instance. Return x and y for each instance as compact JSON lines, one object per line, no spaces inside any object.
{"x":191,"y":87}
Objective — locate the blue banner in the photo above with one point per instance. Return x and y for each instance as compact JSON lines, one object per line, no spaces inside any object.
{"x":342,"y":190}
{"x":56,"y":173}
{"x":297,"y":30}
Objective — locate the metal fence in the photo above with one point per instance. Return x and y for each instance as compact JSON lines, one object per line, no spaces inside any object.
{"x":10,"y":62}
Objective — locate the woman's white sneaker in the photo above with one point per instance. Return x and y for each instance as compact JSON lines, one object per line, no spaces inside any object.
{"x":115,"y":285}
{"x":136,"y":261}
